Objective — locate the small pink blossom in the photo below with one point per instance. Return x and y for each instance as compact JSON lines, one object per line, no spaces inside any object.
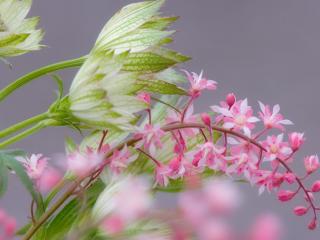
{"x":296,"y":140}
{"x":238,"y":117}
{"x":145,"y":97}
{"x":209,"y":155}
{"x":276,"y":147}
{"x":300,"y":210}
{"x":35,"y":165}
{"x":150,"y":137}
{"x":272,"y":119}
{"x":162,"y":173}
{"x":199,"y":83}
{"x":311,"y":163}
{"x":121,"y":159}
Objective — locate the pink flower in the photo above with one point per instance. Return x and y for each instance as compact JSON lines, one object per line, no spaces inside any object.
{"x":209,"y":155}
{"x":276,"y":148}
{"x":150,"y":137}
{"x":35,"y":165}
{"x":243,"y":163}
{"x":82,"y":163}
{"x":198,"y":83}
{"x":145,"y":97}
{"x":311,"y":163}
{"x":162,"y":173}
{"x":239,"y":117}
{"x":215,"y":229}
{"x":121,"y":159}
{"x":272,"y":119}
{"x":300,"y":210}
{"x":285,"y":195}
{"x":296,"y":140}
{"x":189,"y":117}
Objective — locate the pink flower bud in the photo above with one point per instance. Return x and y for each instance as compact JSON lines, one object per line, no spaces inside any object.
{"x":316,"y":186}
{"x":144,"y":97}
{"x":206,"y":119}
{"x":285,"y":195}
{"x":300,"y":210}
{"x":313,"y":224}
{"x":230,"y":99}
{"x":311,"y":163}
{"x":296,"y":140}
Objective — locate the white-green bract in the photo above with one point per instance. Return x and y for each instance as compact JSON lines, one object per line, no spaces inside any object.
{"x":127,"y":57}
{"x":18,"y":34}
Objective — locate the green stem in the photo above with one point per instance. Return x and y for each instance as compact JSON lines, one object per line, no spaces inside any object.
{"x":23,"y":124}
{"x":77,"y":62}
{"x":22,"y":135}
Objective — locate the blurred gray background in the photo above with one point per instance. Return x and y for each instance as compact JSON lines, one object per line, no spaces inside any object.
{"x":263,"y":50}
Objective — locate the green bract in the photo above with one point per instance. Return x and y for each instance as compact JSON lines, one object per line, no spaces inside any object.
{"x":18,"y":35}
{"x":128,"y":57}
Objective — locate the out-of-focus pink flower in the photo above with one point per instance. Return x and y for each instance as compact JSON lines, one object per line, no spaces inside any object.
{"x":199,"y":83}
{"x":266,"y":227}
{"x":50,"y":178}
{"x":222,"y":196}
{"x":206,"y":119}
{"x":145,"y":97}
{"x":130,"y":202}
{"x":276,"y":148}
{"x":34,"y":165}
{"x":82,"y":163}
{"x":8,"y":225}
{"x":285,"y":195}
{"x":272,"y":119}
{"x":215,"y":230}
{"x":121,"y":159}
{"x":238,"y":117}
{"x":311,"y":163}
{"x":150,"y":137}
{"x":296,"y":140}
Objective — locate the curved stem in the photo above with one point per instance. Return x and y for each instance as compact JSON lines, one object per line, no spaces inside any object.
{"x":22,"y":135}
{"x":77,"y":62}
{"x":23,"y":124}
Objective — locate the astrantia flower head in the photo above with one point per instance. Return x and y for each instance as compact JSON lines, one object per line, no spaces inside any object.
{"x":18,"y":35}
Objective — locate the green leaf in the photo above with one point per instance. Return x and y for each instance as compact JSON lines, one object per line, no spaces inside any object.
{"x":161,"y":87}
{"x":61,"y":224}
{"x":170,"y":54}
{"x":147,"y":62}
{"x":3,"y":178}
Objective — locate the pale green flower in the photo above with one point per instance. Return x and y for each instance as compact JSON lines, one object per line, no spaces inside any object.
{"x":18,"y":34}
{"x":127,"y":57}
